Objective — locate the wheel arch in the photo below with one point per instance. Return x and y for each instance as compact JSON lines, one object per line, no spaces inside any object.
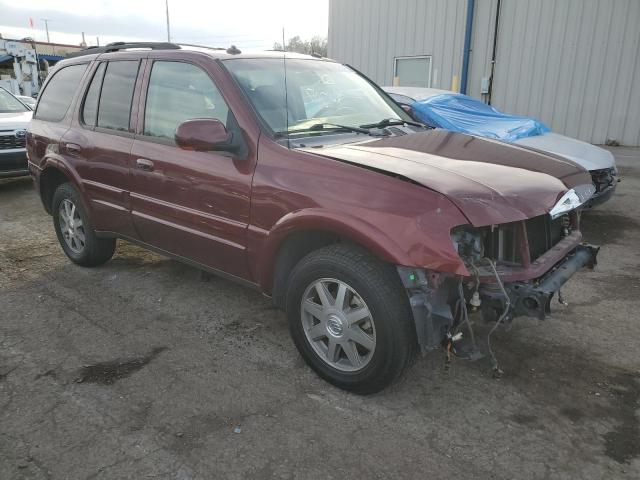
{"x":54,"y":174}
{"x":304,"y":232}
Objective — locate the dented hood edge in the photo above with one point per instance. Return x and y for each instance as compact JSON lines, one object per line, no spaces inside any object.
{"x":490,"y":182}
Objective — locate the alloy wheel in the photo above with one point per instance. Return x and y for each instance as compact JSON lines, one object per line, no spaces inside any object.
{"x":71,"y":226}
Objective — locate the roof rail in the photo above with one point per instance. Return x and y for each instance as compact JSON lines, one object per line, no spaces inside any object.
{"x":116,"y":46}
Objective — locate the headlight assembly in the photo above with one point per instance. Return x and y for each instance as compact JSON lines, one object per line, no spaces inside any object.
{"x":572,"y":199}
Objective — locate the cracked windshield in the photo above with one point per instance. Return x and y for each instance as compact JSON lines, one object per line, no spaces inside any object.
{"x":318,"y":94}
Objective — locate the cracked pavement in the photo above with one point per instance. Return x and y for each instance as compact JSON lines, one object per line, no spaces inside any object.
{"x":144,"y":368}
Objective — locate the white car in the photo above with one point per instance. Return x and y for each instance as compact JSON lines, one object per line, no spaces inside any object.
{"x":600,"y":162}
{"x":14,"y":119}
{"x":28,"y":101}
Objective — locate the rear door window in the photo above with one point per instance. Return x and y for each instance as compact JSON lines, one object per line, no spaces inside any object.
{"x":177,"y":92}
{"x":117,"y":92}
{"x":57,"y":96}
{"x":90,"y":108}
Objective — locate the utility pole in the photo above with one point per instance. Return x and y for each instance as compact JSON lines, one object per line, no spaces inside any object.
{"x":35,"y":51}
{"x":46,"y":26}
{"x":284,"y":47}
{"x":98,"y":41}
{"x":168,"y":29}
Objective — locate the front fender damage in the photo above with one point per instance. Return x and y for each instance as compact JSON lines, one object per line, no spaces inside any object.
{"x":429,"y":296}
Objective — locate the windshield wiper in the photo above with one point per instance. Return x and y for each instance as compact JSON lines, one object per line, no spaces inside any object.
{"x":318,"y":127}
{"x":387,"y":122}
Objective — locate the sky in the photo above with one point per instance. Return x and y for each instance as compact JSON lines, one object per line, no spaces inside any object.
{"x":248,"y":24}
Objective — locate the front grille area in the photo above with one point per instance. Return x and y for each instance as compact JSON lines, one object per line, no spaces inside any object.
{"x":543,"y":233}
{"x":506,"y":243}
{"x":603,"y":179}
{"x":501,"y":243}
{"x":9,"y":141}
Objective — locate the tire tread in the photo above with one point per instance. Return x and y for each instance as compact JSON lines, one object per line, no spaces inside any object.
{"x":97,"y":250}
{"x":381,"y":279}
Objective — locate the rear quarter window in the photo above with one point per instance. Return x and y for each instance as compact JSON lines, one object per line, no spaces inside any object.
{"x":57,"y":96}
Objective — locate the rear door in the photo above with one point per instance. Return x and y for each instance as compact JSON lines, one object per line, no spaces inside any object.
{"x":101,"y":138}
{"x":191,"y":204}
{"x":51,"y":118}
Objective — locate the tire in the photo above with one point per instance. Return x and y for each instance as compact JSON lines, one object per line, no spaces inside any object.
{"x":77,"y":238}
{"x":383,"y":355}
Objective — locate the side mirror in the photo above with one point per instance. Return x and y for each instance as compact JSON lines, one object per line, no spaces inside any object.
{"x":204,"y":135}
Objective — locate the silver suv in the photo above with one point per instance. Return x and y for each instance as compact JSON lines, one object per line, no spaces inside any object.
{"x":14,"y":119}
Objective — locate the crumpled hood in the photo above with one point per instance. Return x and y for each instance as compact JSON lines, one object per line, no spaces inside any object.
{"x":584,"y":154}
{"x":15,"y":120}
{"x":491,"y":182}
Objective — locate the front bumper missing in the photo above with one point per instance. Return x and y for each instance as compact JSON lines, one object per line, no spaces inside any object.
{"x":432,"y":295}
{"x":533,"y":298}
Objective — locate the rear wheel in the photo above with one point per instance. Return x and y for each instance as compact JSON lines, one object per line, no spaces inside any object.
{"x":350,"y":319}
{"x":76,"y":237}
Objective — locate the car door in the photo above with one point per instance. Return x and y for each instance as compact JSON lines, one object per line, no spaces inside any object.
{"x":189,"y":203}
{"x":100,"y":140}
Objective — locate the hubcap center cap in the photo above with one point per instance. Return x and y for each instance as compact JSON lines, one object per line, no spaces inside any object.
{"x":335,"y":326}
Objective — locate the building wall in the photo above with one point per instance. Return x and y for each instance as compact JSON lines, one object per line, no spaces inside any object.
{"x":56,"y":48}
{"x":369,"y":34}
{"x":571,"y":63}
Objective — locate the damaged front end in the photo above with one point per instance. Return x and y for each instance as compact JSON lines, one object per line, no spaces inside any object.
{"x":605,"y":181}
{"x":515,"y":269}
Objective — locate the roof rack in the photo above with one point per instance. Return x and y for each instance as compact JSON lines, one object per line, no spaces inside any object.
{"x":116,"y":46}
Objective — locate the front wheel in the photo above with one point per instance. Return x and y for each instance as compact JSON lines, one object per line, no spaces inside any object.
{"x":350,"y":319}
{"x":76,"y":237}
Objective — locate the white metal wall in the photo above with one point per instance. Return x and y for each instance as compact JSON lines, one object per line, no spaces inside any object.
{"x":571,"y":63}
{"x":369,"y":34}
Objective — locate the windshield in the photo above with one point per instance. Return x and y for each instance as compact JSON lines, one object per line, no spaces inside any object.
{"x":10,"y":104}
{"x":318,"y":93}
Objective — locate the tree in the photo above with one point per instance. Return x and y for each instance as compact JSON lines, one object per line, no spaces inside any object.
{"x":317,"y":45}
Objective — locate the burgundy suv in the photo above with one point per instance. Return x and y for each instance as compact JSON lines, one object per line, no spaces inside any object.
{"x":301,"y":178}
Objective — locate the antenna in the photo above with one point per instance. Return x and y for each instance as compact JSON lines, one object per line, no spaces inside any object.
{"x":286,"y":95}
{"x":168,"y":29}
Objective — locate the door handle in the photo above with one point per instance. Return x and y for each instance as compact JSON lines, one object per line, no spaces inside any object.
{"x":144,"y":164}
{"x":73,"y":149}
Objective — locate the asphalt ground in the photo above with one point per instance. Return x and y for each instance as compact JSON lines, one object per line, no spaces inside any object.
{"x":146,"y":368}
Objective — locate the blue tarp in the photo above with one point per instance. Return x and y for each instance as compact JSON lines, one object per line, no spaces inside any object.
{"x":460,"y":113}
{"x":50,"y":58}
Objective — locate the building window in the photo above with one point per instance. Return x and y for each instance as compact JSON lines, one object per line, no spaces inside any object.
{"x":412,"y":71}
